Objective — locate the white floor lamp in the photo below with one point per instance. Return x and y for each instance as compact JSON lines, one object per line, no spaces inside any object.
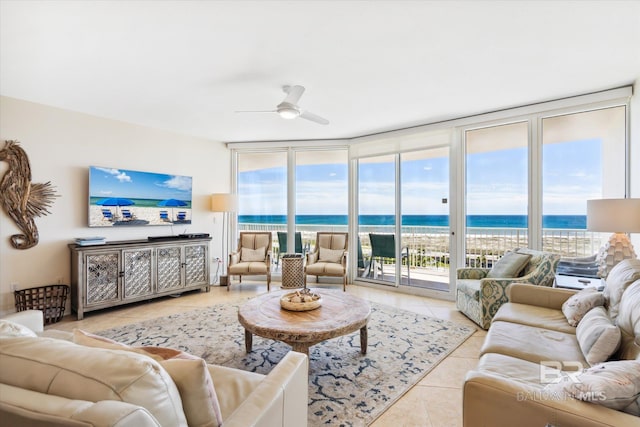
{"x":619,"y":216}
{"x":225,"y":203}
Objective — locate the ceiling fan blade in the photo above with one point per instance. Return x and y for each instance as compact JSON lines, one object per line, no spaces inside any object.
{"x":293,"y":93}
{"x":314,"y":118}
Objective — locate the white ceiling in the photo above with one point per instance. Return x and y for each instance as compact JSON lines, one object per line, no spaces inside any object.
{"x":368,"y":66}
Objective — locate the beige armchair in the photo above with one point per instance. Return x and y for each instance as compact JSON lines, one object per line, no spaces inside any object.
{"x":253,"y":256}
{"x":329,"y":258}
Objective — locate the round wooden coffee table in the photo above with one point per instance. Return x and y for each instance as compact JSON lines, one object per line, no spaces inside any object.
{"x":339,"y":314}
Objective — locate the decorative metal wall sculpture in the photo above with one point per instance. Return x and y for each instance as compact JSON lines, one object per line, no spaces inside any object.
{"x":21,"y":199}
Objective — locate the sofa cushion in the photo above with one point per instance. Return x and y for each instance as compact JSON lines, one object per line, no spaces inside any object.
{"x":523,"y":371}
{"x":614,"y":384}
{"x":248,"y":268}
{"x":252,"y":255}
{"x":629,"y":323}
{"x":510,"y":265}
{"x":330,"y":255}
{"x":533,"y":315}
{"x":579,"y":304}
{"x":62,"y":368}
{"x":531,"y":343}
{"x":199,"y":399}
{"x":22,"y":407}
{"x":597,"y":336}
{"x":12,"y":329}
{"x":620,"y":277}
{"x":325,"y":268}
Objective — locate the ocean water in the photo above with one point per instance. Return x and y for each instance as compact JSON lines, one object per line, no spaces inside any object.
{"x":482,"y":221}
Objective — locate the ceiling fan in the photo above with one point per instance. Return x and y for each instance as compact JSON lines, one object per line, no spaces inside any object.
{"x":289,"y":109}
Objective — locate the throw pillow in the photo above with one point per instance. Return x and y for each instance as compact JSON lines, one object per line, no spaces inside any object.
{"x":615,"y":385}
{"x":156,"y":353}
{"x":252,"y":255}
{"x":195,"y":385}
{"x":580,"y":303}
{"x":12,"y":329}
{"x":330,"y":255}
{"x":510,"y":265}
{"x":620,"y":277}
{"x":597,"y":336}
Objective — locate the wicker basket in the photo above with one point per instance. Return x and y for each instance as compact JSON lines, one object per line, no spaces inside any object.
{"x":51,"y":299}
{"x":292,"y":271}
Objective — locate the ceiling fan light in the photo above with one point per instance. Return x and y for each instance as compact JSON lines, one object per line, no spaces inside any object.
{"x":288,"y":113}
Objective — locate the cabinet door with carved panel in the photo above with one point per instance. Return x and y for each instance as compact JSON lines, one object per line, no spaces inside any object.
{"x":137,"y":272}
{"x":196,"y":264}
{"x":169,"y":268}
{"x":102,"y":277}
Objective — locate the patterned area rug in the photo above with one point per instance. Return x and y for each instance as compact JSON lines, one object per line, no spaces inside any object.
{"x":346,"y":388}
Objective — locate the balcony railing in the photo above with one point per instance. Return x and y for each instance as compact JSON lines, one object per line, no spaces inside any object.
{"x":429,"y":246}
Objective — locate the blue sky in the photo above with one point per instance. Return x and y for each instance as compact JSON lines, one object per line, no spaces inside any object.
{"x":496,"y":184}
{"x":110,"y":182}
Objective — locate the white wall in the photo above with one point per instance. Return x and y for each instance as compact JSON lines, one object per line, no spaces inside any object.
{"x":634,"y":109}
{"x":61,"y":145}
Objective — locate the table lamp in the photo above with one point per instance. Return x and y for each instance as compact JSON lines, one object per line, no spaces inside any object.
{"x":619,"y":216}
{"x":225,"y":203}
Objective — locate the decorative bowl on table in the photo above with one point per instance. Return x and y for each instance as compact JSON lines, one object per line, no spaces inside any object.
{"x":302,"y":300}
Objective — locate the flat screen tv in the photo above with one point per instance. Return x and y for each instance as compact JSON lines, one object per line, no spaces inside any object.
{"x":126,"y":198}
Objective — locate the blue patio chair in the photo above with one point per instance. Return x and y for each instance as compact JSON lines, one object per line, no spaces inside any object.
{"x":364,"y":264}
{"x":107,"y":214}
{"x":126,"y":215}
{"x":182,"y":216}
{"x":164,"y":215}
{"x":383,"y":246}
{"x":282,"y":245}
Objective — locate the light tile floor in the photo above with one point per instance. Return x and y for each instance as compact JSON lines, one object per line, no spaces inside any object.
{"x":436,"y":401}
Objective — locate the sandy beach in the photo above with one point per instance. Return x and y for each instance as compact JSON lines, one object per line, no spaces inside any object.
{"x":141,"y":216}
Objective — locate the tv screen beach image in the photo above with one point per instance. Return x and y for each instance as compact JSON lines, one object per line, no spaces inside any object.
{"x":121,"y":197}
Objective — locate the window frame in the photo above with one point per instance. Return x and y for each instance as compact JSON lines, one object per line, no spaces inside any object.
{"x":398,"y":141}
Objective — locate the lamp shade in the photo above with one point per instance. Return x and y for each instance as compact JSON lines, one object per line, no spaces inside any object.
{"x":614,"y":215}
{"x":224,"y":202}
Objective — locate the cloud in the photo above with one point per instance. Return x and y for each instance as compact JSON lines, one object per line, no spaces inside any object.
{"x":120,"y":176}
{"x":182,"y":183}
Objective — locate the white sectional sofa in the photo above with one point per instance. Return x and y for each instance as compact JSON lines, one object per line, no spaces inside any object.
{"x":48,"y":380}
{"x":537,"y":370}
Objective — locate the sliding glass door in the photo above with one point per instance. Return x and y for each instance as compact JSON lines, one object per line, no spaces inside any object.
{"x":410,"y":189}
{"x":377,"y":218}
{"x":424,"y":186}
